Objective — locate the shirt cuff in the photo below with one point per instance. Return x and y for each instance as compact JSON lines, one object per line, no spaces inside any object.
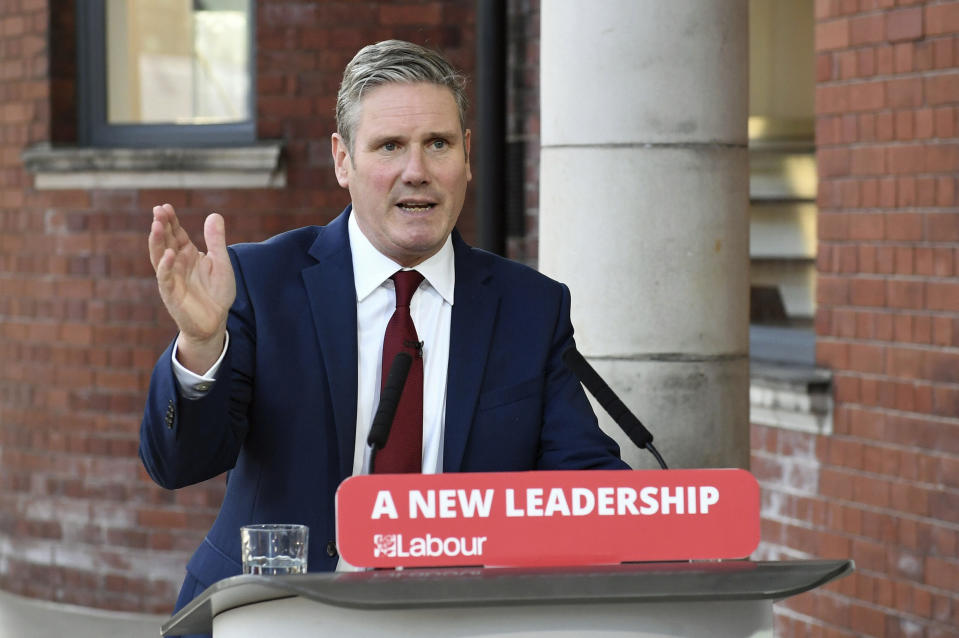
{"x":192,"y":385}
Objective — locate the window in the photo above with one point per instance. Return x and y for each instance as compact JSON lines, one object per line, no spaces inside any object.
{"x":786,"y":390}
{"x":165,"y":72}
{"x":782,"y":182}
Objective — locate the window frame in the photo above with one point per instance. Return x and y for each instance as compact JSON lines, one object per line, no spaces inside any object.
{"x":93,"y":129}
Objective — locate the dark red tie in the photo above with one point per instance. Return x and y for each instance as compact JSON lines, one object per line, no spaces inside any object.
{"x":403,"y":452}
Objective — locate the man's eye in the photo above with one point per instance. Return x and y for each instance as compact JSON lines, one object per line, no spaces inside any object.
{"x":438,"y":144}
{"x":389,"y":146}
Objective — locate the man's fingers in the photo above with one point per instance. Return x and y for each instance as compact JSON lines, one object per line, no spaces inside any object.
{"x":176,"y":237}
{"x":156,"y":243}
{"x":158,"y":240}
{"x":179,"y":237}
{"x":162,"y":228}
{"x":166,"y":233}
{"x":165,"y":275}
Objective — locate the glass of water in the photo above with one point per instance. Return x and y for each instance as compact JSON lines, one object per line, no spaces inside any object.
{"x":273,"y":549}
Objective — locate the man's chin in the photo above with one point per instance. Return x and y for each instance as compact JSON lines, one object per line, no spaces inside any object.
{"x":413,"y":251}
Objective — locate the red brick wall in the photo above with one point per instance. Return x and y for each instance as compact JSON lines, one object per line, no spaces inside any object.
{"x":80,"y":320}
{"x":883,"y":489}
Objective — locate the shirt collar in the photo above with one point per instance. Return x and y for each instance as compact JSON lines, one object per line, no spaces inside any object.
{"x":371,"y":267}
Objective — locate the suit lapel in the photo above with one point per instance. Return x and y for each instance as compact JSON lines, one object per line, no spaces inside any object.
{"x":475,"y":305}
{"x":332,"y":293}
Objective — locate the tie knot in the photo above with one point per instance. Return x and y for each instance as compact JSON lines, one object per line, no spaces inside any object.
{"x":406,"y":282}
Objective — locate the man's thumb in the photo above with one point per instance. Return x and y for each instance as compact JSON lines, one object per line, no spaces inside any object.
{"x":214,"y":234}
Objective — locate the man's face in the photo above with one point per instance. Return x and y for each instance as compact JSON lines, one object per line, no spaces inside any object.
{"x":408,"y":172}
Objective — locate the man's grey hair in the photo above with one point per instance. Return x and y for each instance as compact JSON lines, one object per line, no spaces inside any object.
{"x":393,"y":61}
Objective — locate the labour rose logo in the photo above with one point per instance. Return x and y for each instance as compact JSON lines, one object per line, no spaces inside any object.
{"x":384,"y":545}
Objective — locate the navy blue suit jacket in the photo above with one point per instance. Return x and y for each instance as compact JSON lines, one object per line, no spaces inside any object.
{"x":281,"y":416}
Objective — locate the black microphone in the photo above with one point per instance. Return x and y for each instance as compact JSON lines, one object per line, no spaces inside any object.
{"x":389,"y":399}
{"x":608,"y":400}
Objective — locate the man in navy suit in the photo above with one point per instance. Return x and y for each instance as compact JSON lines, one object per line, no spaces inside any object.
{"x":276,"y":370}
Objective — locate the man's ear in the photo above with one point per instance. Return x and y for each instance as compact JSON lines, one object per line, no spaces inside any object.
{"x":342,"y":164}
{"x":466,"y":147}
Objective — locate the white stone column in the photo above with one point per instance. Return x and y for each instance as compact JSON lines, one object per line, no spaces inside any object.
{"x":643,"y":211}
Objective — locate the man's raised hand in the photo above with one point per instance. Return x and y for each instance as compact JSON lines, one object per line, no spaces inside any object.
{"x":196,"y":288}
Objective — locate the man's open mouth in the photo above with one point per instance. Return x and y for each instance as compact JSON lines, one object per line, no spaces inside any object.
{"x":416,"y":207}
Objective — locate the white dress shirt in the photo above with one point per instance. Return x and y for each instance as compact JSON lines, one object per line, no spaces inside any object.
{"x":431,"y":309}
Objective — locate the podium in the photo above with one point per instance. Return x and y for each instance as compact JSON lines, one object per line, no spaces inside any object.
{"x":698,"y":598}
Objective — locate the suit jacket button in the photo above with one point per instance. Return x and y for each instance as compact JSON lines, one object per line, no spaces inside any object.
{"x":331,"y":549}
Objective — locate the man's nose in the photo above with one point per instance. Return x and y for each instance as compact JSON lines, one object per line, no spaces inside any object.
{"x":415,"y":170}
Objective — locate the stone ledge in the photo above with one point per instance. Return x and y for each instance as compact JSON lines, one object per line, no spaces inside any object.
{"x":255,"y":166}
{"x":791,"y":397}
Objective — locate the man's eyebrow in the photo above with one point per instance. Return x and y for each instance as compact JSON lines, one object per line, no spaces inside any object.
{"x":450,"y":135}
{"x":379,"y":140}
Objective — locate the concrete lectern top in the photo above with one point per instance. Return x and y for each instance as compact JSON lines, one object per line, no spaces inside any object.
{"x":474,"y":587}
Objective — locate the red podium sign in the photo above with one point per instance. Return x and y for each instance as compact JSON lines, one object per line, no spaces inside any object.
{"x":546,"y":518}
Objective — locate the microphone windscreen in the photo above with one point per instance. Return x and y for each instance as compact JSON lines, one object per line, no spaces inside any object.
{"x":607,"y":399}
{"x":389,"y":400}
